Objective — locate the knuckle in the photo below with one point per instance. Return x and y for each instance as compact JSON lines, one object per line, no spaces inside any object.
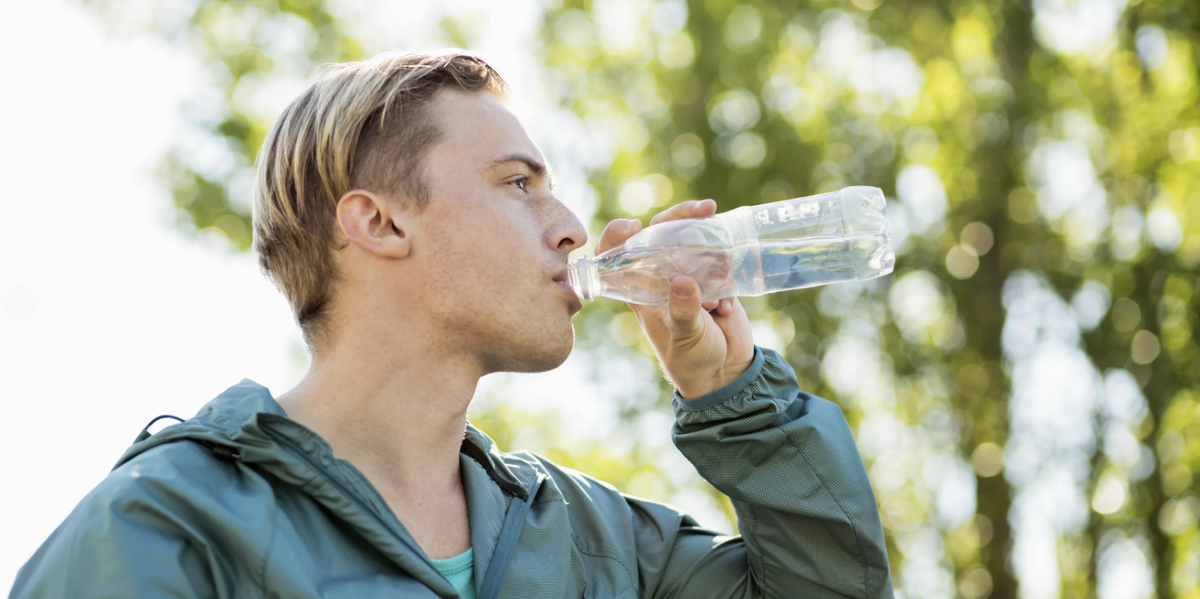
{"x":668,"y":214}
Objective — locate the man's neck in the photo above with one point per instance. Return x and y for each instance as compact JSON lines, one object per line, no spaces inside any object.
{"x":398,"y":413}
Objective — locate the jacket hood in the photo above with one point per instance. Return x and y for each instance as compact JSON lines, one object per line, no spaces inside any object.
{"x":231,"y":421}
{"x":246,"y":423}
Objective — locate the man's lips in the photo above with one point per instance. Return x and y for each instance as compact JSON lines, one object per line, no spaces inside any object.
{"x":575,"y":303}
{"x":560,"y":279}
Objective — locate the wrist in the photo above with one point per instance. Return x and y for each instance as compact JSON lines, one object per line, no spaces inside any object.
{"x":696,"y":387}
{"x":720,"y":395}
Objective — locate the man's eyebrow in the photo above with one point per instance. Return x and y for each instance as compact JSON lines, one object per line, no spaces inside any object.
{"x":539,"y":168}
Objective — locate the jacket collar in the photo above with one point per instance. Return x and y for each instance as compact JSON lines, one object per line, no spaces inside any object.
{"x":239,"y":418}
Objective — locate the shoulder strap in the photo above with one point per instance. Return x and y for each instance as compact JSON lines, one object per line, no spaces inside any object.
{"x":510,"y":532}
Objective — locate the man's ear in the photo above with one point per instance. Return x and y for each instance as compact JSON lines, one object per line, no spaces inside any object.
{"x":374,"y":224}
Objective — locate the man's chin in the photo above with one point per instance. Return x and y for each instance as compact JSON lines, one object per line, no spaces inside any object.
{"x":554,"y":358}
{"x":542,"y":358}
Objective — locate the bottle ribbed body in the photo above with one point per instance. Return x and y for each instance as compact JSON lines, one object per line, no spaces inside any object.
{"x":752,"y":250}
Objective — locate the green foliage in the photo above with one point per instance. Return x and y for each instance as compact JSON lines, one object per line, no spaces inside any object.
{"x":753,"y":102}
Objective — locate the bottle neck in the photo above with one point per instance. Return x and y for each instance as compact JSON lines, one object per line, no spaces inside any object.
{"x":584,"y":278}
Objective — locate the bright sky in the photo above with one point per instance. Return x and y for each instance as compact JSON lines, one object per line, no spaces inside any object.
{"x":108,"y":315}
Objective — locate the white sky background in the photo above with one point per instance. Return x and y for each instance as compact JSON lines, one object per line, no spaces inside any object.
{"x":108,"y":315}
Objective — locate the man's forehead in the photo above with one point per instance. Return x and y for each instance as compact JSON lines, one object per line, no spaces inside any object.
{"x":480,"y":126}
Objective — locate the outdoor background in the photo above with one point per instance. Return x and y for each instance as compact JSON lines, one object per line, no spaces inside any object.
{"x":1024,"y":388}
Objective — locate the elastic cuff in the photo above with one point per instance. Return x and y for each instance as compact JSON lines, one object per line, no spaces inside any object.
{"x":725,"y":393}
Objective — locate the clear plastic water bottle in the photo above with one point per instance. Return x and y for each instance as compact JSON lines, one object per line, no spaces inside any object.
{"x":748,"y":251}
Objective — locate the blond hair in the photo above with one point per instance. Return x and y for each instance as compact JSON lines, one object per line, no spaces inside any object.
{"x":364,"y":125}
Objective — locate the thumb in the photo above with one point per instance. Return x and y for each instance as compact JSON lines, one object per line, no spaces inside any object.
{"x":684,"y":308}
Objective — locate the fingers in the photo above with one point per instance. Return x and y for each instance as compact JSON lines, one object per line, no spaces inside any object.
{"x":616,"y":233}
{"x":722,"y":307}
{"x":683,"y":308}
{"x":726,"y":307}
{"x":692,"y":209}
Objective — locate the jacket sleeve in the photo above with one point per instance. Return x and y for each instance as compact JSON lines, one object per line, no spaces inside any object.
{"x":132,"y":536}
{"x":810,"y":526}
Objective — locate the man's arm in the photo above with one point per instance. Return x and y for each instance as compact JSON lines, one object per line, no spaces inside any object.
{"x":810,"y":526}
{"x":786,"y":459}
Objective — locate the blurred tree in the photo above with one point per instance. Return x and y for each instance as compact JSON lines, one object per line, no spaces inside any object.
{"x":1015,"y":144}
{"x":1025,"y":385}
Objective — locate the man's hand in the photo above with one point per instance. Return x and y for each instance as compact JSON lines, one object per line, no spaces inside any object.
{"x":701,"y":346}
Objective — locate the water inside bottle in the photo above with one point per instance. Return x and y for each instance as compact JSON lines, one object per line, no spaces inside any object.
{"x":798,"y":264}
{"x":644,"y":276}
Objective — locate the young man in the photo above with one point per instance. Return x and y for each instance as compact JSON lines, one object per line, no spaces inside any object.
{"x":411,"y":223}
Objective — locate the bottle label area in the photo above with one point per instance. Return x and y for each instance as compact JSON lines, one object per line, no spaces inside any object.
{"x":788,"y":212}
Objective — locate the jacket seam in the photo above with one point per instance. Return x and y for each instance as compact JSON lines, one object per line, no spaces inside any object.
{"x":861,"y":554}
{"x":266,"y":558}
{"x":597,"y":554}
{"x":763,"y":555}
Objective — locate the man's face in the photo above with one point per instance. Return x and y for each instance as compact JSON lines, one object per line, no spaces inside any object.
{"x":494,"y":239}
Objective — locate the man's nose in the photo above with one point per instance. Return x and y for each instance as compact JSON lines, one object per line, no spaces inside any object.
{"x":568,"y":234}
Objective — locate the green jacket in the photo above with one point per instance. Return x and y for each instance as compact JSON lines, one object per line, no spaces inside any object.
{"x":240,"y":501}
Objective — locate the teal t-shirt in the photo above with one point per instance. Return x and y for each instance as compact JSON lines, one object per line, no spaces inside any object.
{"x":460,"y":571}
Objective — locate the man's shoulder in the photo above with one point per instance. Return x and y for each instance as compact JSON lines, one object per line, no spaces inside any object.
{"x":605,"y":522}
{"x":180,"y":479}
{"x":584,"y":492}
{"x":565,"y":478}
{"x":174,"y":499}
{"x":177,"y":494}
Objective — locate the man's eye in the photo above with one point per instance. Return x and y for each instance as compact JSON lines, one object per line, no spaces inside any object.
{"x":521,"y":183}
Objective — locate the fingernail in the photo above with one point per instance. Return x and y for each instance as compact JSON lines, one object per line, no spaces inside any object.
{"x":681,"y":290}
